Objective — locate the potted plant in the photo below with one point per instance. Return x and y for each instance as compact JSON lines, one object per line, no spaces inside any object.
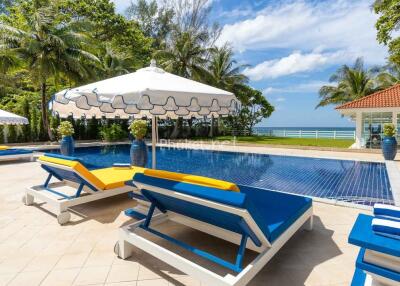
{"x":66,"y":130}
{"x":138,"y":152}
{"x":389,"y":143}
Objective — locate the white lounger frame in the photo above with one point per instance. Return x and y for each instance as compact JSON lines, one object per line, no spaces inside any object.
{"x":129,"y":236}
{"x":28,"y":156}
{"x":382,"y":260}
{"x":60,"y":203}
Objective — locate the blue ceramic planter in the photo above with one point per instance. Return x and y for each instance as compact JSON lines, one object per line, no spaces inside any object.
{"x":67,"y":146}
{"x":389,"y":148}
{"x":138,"y":153}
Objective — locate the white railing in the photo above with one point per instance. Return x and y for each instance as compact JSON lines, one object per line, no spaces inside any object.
{"x":334,"y":134}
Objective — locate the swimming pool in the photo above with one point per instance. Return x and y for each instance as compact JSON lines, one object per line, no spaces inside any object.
{"x":351,"y":181}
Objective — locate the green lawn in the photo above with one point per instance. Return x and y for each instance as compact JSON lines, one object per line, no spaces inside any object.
{"x":321,"y":142}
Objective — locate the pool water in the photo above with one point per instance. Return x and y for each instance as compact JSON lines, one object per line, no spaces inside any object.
{"x":352,"y":181}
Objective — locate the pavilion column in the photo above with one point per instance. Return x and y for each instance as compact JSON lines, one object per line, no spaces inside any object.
{"x":394,"y":118}
{"x":359,"y":129}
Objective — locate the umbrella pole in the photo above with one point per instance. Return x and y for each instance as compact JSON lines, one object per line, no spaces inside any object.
{"x":154,"y":131}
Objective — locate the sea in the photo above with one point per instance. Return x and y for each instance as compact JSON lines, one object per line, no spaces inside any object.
{"x":268,"y":129}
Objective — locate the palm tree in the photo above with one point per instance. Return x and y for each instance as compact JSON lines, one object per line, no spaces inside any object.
{"x":388,"y":76}
{"x":222,"y":70}
{"x":114,"y":63}
{"x":49,"y":48}
{"x":352,"y":83}
{"x":185,"y":56}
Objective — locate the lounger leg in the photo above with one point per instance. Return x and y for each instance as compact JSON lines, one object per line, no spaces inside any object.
{"x":63,"y":217}
{"x":124,"y":249}
{"x":309,"y":223}
{"x":28,"y":199}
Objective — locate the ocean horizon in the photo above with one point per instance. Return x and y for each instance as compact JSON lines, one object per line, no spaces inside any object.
{"x":266,"y":129}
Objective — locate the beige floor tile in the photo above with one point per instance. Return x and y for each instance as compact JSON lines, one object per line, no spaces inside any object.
{"x":157,"y":282}
{"x":146,"y":273}
{"x":92,"y":275}
{"x":72,"y":260}
{"x":14,"y":264}
{"x":28,"y":278}
{"x":61,"y":277}
{"x":103,"y":258}
{"x":132,"y":283}
{"x":123,"y":273}
{"x":6,"y":278}
{"x":184,"y":280}
{"x":44,"y":262}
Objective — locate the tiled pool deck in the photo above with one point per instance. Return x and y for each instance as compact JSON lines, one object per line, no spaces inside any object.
{"x":35,"y":250}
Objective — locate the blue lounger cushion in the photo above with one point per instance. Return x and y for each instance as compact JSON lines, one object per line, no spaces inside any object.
{"x":387,"y":211}
{"x":386,"y":227}
{"x":363,"y":236}
{"x":272,"y":211}
{"x":15,"y":152}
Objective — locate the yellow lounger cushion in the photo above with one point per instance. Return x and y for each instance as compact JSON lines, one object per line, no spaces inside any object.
{"x":103,"y":179}
{"x":79,"y":168}
{"x":2,"y":148}
{"x":116,"y":177}
{"x":192,"y":179}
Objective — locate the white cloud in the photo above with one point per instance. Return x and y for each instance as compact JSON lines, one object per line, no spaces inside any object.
{"x":343,"y":25}
{"x":294,"y":63}
{"x":307,"y":87}
{"x":280,"y":99}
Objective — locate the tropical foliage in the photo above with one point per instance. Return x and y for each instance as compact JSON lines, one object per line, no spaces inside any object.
{"x":387,"y":25}
{"x":66,"y":128}
{"x":50,"y":45}
{"x":138,"y":129}
{"x":352,"y":82}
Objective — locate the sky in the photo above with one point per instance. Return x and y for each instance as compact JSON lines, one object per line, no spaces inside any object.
{"x":292,"y":48}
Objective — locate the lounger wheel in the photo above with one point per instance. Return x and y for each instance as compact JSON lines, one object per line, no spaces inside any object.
{"x":116,"y":249}
{"x":27,"y":199}
{"x":63,"y":217}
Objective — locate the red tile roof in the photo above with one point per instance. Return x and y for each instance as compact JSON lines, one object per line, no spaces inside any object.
{"x":389,"y":97}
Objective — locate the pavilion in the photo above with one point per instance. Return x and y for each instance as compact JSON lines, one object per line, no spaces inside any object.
{"x":370,"y":114}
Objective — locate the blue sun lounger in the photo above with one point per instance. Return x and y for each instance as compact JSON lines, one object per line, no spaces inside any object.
{"x":378,"y":262}
{"x":10,"y":154}
{"x":257,"y":219}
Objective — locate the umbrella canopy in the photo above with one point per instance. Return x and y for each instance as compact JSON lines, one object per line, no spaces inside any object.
{"x":147,"y":92}
{"x":8,"y":118}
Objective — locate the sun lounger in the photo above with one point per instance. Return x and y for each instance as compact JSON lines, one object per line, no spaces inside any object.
{"x":8,"y":154}
{"x":257,"y":219}
{"x":77,"y":185}
{"x":378,"y":262}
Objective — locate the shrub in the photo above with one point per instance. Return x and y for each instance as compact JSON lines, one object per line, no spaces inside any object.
{"x":66,"y":129}
{"x":389,"y":130}
{"x":138,"y":129}
{"x":114,"y":132}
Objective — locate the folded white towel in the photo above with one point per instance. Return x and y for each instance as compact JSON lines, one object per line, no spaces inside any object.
{"x":386,"y":227}
{"x":387,"y":211}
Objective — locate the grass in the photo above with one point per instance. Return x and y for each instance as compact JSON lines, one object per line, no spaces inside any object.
{"x":320,"y":142}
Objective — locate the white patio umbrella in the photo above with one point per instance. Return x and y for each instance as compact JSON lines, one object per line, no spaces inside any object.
{"x":8,"y":118}
{"x":149,"y":92}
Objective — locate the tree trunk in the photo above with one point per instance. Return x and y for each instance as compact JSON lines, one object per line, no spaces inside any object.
{"x":211,"y":133}
{"x":177,"y":128}
{"x":45,"y":119}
